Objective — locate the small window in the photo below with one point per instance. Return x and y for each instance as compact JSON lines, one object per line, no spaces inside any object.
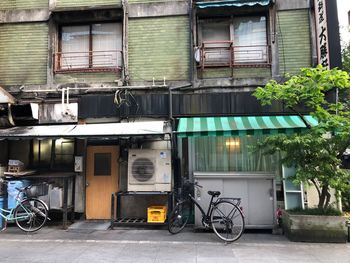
{"x":233,"y":42}
{"x":94,"y":47}
{"x":64,"y":154}
{"x":102,"y":164}
{"x":42,"y":153}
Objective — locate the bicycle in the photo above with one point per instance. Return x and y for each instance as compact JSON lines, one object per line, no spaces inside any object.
{"x":30,"y":214}
{"x":224,"y":216}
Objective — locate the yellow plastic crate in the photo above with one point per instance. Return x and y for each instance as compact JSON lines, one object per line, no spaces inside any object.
{"x":156,"y":214}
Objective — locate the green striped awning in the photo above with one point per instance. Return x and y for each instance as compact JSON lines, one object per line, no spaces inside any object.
{"x":240,"y":126}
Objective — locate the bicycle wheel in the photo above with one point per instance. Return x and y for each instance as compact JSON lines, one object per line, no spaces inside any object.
{"x":227,"y":221}
{"x":31,"y":215}
{"x":179,"y":217}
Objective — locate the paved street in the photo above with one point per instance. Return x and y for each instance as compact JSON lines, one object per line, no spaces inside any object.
{"x":138,"y":245}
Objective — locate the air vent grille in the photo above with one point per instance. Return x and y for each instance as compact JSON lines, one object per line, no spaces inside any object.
{"x":142,"y":169}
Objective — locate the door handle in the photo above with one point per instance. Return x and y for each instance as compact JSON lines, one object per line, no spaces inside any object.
{"x":87,"y":184}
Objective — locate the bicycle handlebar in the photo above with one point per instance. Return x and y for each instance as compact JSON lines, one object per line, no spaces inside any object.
{"x":188,"y":182}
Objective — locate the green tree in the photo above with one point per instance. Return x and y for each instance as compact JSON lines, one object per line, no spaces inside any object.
{"x":317,"y":152}
{"x":346,"y":58}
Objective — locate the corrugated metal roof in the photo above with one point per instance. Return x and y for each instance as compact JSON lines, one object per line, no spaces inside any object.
{"x":84,"y":130}
{"x":232,"y":3}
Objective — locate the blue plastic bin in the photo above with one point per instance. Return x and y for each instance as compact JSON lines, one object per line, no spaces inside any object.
{"x":12,"y":191}
{"x":3,"y":201}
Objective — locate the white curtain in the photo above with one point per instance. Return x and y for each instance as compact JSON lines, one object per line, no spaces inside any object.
{"x":250,"y":39}
{"x":237,"y":154}
{"x":75,"y":39}
{"x":106,"y":40}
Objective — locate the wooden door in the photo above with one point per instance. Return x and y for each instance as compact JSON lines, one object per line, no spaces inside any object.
{"x":102,"y":178}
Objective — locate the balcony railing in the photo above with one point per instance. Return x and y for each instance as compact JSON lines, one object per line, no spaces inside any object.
{"x":225,"y":54}
{"x":93,"y":61}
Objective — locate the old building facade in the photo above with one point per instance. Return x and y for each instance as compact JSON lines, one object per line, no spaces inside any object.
{"x":175,"y":78}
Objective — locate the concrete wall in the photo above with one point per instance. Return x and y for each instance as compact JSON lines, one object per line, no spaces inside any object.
{"x":238,"y":73}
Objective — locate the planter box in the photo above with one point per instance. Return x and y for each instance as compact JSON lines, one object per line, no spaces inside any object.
{"x":310,"y":228}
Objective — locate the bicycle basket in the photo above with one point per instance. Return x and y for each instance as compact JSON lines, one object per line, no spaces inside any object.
{"x":37,"y":190}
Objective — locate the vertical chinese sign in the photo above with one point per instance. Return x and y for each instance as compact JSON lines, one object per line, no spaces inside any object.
{"x":322,"y":33}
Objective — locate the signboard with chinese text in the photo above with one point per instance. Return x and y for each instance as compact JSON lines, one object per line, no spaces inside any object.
{"x":322,"y":33}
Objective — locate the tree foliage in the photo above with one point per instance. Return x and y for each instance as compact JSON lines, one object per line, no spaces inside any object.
{"x":346,"y":58}
{"x":317,"y":152}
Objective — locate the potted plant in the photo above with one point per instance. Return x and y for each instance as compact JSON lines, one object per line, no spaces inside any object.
{"x":316,"y":153}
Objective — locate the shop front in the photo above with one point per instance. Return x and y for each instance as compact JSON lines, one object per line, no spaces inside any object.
{"x":95,"y":155}
{"x":221,"y":154}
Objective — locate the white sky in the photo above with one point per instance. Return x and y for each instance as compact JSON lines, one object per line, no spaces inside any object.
{"x":343,"y":9}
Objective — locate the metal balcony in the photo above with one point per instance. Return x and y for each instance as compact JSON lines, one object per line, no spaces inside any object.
{"x":213,"y":54}
{"x":93,"y":61}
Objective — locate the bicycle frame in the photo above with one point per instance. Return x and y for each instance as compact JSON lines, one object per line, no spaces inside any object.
{"x":205,"y":216}
{"x":10,"y":215}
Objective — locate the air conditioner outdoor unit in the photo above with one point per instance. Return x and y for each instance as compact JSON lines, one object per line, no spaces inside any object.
{"x":149,"y":170}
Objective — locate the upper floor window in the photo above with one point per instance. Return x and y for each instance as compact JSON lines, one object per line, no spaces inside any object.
{"x":91,"y":47}
{"x":239,"y":41}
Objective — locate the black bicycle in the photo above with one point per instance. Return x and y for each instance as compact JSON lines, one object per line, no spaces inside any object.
{"x":224,"y":215}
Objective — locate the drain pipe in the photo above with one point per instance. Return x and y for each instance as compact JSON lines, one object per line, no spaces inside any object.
{"x":190,"y":14}
{"x":62,"y":99}
{"x":67,"y":103}
{"x":65,"y":100}
{"x":173,"y":140}
{"x":125,"y":41}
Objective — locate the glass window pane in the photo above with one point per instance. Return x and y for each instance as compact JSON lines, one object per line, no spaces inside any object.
{"x":75,"y":47}
{"x":289,"y":185}
{"x":42,"y":153}
{"x":234,"y":154}
{"x":250,"y":39}
{"x":216,"y":32}
{"x":107,"y":40}
{"x":293,"y":200}
{"x":102,"y":164}
{"x":64,"y":154}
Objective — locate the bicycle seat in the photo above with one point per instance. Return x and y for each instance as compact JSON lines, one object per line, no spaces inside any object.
{"x":214,"y":193}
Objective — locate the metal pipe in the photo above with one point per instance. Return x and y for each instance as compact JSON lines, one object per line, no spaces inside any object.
{"x":125,"y":41}
{"x":99,"y":89}
{"x":40,"y":90}
{"x":62,"y":101}
{"x":191,"y":40}
{"x":68,"y":96}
